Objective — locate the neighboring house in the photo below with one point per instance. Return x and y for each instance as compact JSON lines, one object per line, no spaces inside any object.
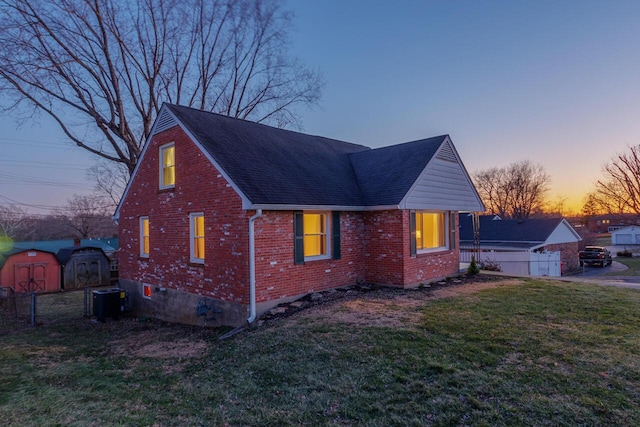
{"x":626,"y":236}
{"x":534,"y":246}
{"x":608,"y":223}
{"x":224,"y":218}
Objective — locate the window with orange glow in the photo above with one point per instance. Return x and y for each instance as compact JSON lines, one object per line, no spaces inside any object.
{"x":146,"y":291}
{"x":430,"y":230}
{"x":315,"y":234}
{"x":167,"y":166}
{"x":144,"y":236}
{"x":197,"y":237}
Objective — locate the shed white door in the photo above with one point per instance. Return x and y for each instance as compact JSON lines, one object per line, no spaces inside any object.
{"x":545,"y":264}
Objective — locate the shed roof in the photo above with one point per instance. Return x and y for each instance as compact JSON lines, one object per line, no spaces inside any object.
{"x":4,"y":255}
{"x":65,"y":254}
{"x":531,"y":230}
{"x":54,"y":246}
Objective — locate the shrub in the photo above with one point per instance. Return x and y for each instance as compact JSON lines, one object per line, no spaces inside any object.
{"x":473,"y":267}
{"x":626,"y":253}
{"x":491,"y":265}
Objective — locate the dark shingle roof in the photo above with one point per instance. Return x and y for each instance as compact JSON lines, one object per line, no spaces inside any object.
{"x":65,"y":254}
{"x":386,"y":174}
{"x":291,"y":168}
{"x":513,"y":230}
{"x":285,"y":167}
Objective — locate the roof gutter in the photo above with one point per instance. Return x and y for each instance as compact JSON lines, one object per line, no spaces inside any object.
{"x":252,"y":266}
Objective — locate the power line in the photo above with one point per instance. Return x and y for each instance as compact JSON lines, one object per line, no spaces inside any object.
{"x":10,"y":201}
{"x":42,"y":165}
{"x":27,"y":180}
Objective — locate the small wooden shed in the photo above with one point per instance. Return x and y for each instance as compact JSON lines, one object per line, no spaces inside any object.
{"x":84,"y":266}
{"x":30,"y":270}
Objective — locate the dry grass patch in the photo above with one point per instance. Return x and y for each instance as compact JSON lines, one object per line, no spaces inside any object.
{"x":395,"y":308}
{"x":147,"y":344}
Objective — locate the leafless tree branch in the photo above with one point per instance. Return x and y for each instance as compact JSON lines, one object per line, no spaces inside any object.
{"x":98,"y":65}
{"x":516,"y":191}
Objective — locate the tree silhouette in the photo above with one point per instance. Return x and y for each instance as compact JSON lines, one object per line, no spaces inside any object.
{"x":102,"y":69}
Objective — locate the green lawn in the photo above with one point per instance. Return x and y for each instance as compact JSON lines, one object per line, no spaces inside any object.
{"x":632,"y":263}
{"x":533,"y":353}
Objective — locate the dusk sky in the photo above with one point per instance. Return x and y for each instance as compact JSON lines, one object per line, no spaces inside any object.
{"x":553,"y":82}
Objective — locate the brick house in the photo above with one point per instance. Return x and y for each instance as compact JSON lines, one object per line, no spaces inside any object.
{"x":533,"y":246}
{"x":608,"y":223}
{"x":223,"y":218}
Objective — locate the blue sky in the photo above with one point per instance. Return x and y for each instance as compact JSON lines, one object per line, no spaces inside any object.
{"x":554,"y":82}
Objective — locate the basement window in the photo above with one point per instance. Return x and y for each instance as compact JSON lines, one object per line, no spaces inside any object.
{"x":146,"y":291}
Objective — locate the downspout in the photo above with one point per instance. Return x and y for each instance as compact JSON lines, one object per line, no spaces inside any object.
{"x":252,"y":266}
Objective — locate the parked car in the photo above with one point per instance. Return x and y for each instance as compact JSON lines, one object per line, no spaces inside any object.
{"x":595,"y":255}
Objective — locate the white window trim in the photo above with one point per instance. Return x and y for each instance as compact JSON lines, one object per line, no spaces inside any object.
{"x":329,"y":233}
{"x":192,"y":236}
{"x":446,"y":234}
{"x":142,"y":253}
{"x":161,"y":163}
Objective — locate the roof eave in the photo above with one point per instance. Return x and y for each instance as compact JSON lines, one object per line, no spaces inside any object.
{"x":299,"y":207}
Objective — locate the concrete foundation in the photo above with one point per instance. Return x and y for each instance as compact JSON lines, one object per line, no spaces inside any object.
{"x":182,"y":307}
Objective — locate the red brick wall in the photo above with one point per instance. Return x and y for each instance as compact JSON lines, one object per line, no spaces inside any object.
{"x":426,"y":267}
{"x":374,"y":245}
{"x":387,"y":236}
{"x":278,"y":277}
{"x":199,"y":188}
{"x":388,"y":252}
{"x":568,"y":255}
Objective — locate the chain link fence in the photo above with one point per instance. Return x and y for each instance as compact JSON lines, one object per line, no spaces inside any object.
{"x":19,"y":311}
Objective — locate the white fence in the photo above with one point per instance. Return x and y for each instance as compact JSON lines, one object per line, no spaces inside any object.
{"x":519,"y":263}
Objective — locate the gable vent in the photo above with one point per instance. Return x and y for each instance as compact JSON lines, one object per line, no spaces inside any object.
{"x":446,"y":153}
{"x":164,"y":121}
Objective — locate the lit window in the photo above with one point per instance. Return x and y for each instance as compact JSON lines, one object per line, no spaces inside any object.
{"x":315,"y":234}
{"x":430,"y":230}
{"x":167,"y":166}
{"x":144,"y":236}
{"x":146,"y":291}
{"x":197,"y":237}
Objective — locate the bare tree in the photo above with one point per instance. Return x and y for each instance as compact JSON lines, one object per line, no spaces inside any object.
{"x":515,"y":191}
{"x":12,"y":221}
{"x":110,"y":179}
{"x":99,"y":65}
{"x":619,"y":189}
{"x":87,"y":217}
{"x":46,"y":227}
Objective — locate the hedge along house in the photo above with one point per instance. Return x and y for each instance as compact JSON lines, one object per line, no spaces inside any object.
{"x":223,"y":218}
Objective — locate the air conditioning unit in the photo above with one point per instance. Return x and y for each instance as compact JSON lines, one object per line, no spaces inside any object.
{"x":108,"y":303}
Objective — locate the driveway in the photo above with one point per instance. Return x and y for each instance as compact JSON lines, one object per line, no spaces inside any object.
{"x":591,"y":270}
{"x":593,"y":274}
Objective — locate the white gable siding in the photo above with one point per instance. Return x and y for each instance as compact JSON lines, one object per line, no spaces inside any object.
{"x":563,"y":233}
{"x":443,"y":185}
